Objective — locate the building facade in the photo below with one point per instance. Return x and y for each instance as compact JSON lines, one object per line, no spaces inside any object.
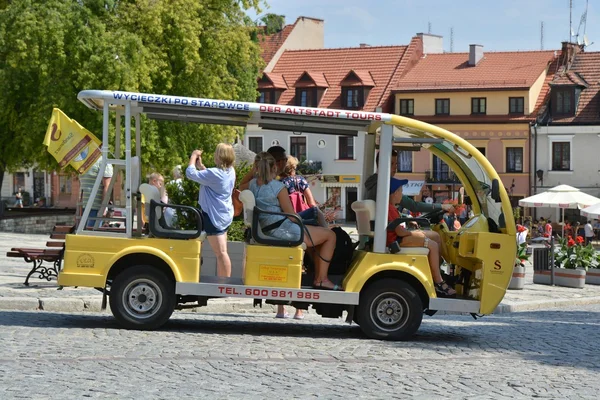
{"x":357,"y":78}
{"x":487,"y":98}
{"x":567,"y":133}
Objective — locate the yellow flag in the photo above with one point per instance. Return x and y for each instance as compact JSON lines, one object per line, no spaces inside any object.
{"x":70,"y":143}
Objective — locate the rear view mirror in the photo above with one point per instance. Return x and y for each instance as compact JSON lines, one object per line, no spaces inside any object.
{"x":495,"y":191}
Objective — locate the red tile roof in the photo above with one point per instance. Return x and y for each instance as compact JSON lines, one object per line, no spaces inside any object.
{"x":308,"y":79}
{"x":544,"y":95}
{"x":272,"y":81}
{"x":358,"y":78}
{"x":497,"y":70}
{"x":587,"y":67}
{"x":334,"y":64}
{"x":269,"y":44}
{"x":568,"y":79}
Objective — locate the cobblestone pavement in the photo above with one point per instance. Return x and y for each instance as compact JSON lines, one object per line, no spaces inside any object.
{"x":549,"y":354}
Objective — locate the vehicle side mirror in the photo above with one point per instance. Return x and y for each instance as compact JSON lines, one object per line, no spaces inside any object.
{"x":495,"y":191}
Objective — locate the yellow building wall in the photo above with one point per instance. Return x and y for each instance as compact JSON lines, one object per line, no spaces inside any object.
{"x":460,"y":102}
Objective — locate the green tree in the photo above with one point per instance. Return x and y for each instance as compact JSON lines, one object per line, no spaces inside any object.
{"x":52,"y":49}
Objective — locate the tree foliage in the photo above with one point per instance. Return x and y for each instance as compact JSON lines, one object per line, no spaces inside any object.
{"x":52,"y":49}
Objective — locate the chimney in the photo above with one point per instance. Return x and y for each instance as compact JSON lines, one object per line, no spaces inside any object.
{"x":568,"y":53}
{"x":363,"y":45}
{"x":432,"y":44}
{"x":475,"y":54}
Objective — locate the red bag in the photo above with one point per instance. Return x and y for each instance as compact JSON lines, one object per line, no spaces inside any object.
{"x":298,"y":200}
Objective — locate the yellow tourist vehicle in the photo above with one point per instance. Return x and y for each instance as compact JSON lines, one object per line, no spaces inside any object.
{"x":149,"y":271}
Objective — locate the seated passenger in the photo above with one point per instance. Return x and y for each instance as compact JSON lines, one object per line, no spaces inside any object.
{"x":305,"y":206}
{"x":271,"y":195}
{"x":158,"y":181}
{"x":417,"y":238}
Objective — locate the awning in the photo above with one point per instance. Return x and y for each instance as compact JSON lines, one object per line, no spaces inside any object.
{"x":339,"y":184}
{"x":412,"y":188}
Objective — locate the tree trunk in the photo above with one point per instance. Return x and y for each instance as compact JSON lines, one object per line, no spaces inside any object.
{"x":1,"y":178}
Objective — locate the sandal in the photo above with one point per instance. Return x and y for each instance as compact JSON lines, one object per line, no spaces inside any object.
{"x":442,"y":289}
{"x":301,"y":316}
{"x":321,"y":287}
{"x":282,"y":316}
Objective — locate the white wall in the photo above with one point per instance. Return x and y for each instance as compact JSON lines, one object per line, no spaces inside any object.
{"x":7,"y":191}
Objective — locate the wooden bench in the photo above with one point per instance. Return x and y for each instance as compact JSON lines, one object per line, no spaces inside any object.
{"x":53,"y":254}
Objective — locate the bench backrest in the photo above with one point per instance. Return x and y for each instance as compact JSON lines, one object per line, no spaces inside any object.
{"x":248,"y":200}
{"x":365,"y":213}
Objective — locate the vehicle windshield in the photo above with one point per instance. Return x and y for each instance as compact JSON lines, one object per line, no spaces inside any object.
{"x":481,"y":182}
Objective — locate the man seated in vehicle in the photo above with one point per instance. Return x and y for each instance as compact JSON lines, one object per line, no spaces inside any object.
{"x":406,"y":202}
{"x":416,"y":238}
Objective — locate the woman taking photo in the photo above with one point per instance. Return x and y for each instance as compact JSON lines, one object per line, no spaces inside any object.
{"x":216,"y":186}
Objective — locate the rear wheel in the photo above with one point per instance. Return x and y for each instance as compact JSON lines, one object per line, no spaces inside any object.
{"x":142,"y":297}
{"x":390,"y":309}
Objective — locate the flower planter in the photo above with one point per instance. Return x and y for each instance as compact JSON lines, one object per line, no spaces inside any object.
{"x":574,"y":278}
{"x":592,"y":276}
{"x":517,"y":282}
{"x":543,"y":277}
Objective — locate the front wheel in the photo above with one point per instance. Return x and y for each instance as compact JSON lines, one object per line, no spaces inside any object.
{"x":390,"y":309}
{"x":142,"y":297}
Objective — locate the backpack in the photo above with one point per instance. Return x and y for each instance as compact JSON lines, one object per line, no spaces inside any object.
{"x":297,"y":198}
{"x":342,"y":255}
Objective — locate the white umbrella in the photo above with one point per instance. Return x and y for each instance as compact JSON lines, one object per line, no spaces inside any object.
{"x":592,"y":211}
{"x":561,"y":196}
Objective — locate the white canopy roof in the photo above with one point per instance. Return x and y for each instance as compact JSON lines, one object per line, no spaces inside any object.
{"x":562,"y":196}
{"x":592,"y":211}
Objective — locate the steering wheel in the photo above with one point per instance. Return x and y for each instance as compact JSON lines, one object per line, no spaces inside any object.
{"x":434,"y":216}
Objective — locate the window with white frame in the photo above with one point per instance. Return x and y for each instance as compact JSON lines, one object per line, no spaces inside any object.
{"x":255,"y":144}
{"x":64,"y":183}
{"x":298,"y":147}
{"x":561,"y":152}
{"x":405,"y":161}
{"x":346,"y":147}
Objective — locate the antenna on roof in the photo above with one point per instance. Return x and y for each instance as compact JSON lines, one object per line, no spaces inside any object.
{"x":429,"y":27}
{"x":570,"y":20}
{"x":542,"y":36}
{"x":452,"y":40}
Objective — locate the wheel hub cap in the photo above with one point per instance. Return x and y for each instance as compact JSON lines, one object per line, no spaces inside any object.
{"x":389,"y":311}
{"x":142,"y":298}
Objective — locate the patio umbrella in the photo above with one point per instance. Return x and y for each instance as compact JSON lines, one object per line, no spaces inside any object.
{"x":592,"y":211}
{"x":561,"y":196}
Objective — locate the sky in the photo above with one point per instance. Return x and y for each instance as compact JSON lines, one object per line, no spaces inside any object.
{"x":498,"y":25}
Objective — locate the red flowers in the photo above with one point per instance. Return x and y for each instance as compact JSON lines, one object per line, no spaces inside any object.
{"x":580,"y":239}
{"x":570,"y":242}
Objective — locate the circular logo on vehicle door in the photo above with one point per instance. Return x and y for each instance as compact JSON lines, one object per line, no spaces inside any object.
{"x":85,"y":261}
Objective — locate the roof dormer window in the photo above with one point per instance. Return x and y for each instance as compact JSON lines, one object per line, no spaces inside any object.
{"x":355,"y":89}
{"x":270,"y":87}
{"x":310,"y":88}
{"x":563,"y":101}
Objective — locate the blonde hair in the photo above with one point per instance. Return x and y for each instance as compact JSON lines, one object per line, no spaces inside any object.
{"x":224,"y":156}
{"x":291,"y":165}
{"x":177,"y":174}
{"x":155,"y":176}
{"x":265,"y":166}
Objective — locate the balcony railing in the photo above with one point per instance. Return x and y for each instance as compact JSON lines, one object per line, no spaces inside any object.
{"x":440,"y":176}
{"x":309,"y":167}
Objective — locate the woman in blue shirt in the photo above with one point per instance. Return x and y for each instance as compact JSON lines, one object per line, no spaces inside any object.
{"x":216,"y":186}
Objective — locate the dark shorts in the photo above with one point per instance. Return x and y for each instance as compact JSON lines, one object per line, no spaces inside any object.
{"x":310,"y":216}
{"x":208,"y":226}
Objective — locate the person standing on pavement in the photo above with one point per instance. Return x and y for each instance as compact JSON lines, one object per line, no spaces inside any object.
{"x":216,"y":187}
{"x":589,"y":233}
{"x":19,"y":198}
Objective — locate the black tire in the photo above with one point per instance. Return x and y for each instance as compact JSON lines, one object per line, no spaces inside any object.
{"x":142,"y":297}
{"x":389,"y":309}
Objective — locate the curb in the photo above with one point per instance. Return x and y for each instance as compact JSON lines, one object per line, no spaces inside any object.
{"x":545,"y":304}
{"x":74,"y":304}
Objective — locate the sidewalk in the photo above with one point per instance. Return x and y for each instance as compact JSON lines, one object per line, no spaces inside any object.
{"x":43,"y":295}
